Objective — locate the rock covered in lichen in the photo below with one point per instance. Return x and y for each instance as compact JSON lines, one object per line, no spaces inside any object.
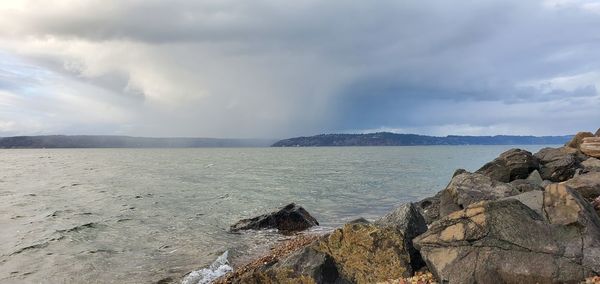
{"x":355,"y":253}
{"x":406,"y":219}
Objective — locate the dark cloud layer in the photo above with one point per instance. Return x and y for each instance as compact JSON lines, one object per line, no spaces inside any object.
{"x":272,"y":69}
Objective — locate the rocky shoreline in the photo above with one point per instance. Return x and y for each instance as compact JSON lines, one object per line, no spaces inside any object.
{"x":521,"y":218}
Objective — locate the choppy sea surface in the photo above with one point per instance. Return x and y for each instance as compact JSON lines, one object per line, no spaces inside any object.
{"x":145,"y":215}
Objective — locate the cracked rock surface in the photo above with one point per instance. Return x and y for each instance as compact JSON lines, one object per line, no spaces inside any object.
{"x":467,"y":188}
{"x":559,"y":164}
{"x":511,"y":165}
{"x":505,"y":241}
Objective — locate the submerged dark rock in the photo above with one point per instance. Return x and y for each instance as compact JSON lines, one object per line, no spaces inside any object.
{"x":291,"y":218}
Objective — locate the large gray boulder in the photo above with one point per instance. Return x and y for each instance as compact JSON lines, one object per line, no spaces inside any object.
{"x":559,"y":164}
{"x":505,"y":241}
{"x":407,"y":220}
{"x":291,"y":218}
{"x":468,"y":188}
{"x":510,"y":165}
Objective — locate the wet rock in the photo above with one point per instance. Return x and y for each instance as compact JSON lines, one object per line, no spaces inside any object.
{"x":591,"y":165}
{"x":510,"y":165}
{"x":355,"y":253}
{"x":430,"y":208}
{"x":591,"y":146}
{"x":578,"y":139}
{"x":588,"y":185}
{"x":289,"y":219}
{"x":505,"y":241}
{"x":558,"y":164}
{"x":367,"y":253}
{"x":467,"y":188}
{"x":407,"y":220}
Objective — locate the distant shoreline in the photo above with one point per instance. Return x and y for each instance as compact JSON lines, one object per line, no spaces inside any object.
{"x":105,"y":141}
{"x":323,"y":140}
{"x":394,"y":139}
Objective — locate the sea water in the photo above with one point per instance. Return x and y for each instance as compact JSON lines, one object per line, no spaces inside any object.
{"x":146,"y":215}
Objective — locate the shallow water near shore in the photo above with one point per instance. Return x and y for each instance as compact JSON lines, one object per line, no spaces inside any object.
{"x":142,"y":215}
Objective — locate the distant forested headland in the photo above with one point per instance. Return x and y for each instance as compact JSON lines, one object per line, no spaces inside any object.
{"x":393,"y":139}
{"x":98,"y":141}
{"x":372,"y":139}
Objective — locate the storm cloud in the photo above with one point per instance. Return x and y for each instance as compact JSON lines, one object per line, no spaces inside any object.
{"x":271,"y":68}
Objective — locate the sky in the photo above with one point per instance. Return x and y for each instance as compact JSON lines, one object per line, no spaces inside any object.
{"x":276,"y":69}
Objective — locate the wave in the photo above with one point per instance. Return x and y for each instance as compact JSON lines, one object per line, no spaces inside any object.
{"x":207,"y":275}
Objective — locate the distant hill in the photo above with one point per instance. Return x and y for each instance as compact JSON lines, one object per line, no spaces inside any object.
{"x":96,"y":141}
{"x":393,"y":139}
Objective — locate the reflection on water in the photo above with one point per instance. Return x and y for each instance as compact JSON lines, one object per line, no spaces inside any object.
{"x":142,"y":215}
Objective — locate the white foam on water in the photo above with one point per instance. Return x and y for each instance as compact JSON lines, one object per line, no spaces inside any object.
{"x":207,"y":275}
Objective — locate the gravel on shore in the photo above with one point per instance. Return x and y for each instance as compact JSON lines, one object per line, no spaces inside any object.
{"x":277,"y":252}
